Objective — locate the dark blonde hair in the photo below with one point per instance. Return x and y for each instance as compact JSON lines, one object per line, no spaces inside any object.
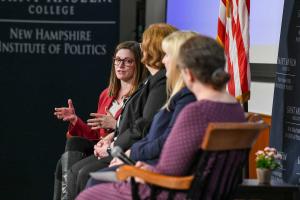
{"x":205,"y":58}
{"x":139,"y":72}
{"x":151,"y":44}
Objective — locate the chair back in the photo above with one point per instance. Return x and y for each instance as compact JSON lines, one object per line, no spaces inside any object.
{"x":224,"y":152}
{"x":230,"y":136}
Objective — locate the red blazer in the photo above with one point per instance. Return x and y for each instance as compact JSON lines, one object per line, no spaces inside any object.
{"x":83,"y":130}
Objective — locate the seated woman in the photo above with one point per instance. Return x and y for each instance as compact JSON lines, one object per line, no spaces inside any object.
{"x":124,"y":80}
{"x":201,"y":61}
{"x":137,"y":114}
{"x":148,"y":149}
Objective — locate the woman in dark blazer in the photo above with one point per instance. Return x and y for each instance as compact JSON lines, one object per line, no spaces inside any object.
{"x":137,"y":114}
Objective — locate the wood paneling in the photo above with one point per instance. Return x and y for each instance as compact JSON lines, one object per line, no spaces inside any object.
{"x":261,"y":143}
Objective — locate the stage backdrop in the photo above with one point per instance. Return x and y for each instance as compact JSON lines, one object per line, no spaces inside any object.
{"x":50,"y":50}
{"x":285,"y":131}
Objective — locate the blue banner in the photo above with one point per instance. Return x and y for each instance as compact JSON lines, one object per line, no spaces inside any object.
{"x":285,"y":131}
{"x":50,"y":50}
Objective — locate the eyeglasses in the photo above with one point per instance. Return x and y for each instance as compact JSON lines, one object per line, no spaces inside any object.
{"x":125,"y":61}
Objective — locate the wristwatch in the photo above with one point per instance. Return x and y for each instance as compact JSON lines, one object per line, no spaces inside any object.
{"x":108,"y":150}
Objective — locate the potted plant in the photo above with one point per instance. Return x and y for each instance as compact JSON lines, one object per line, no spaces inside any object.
{"x":266,"y":161}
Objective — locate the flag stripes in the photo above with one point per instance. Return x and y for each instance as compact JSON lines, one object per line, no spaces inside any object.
{"x":233,"y":35}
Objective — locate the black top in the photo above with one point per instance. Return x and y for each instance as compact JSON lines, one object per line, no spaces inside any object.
{"x":140,"y":109}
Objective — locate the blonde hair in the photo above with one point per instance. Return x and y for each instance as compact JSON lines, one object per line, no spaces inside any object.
{"x":151,"y":44}
{"x":172,"y":44}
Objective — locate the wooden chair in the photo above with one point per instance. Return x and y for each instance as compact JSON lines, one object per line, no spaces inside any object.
{"x":253,"y":117}
{"x":220,"y":143}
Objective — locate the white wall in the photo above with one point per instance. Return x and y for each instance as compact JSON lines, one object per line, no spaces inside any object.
{"x":155,"y":11}
{"x":127,"y":20}
{"x":261,"y":99}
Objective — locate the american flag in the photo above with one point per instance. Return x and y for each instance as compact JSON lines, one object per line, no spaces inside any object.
{"x":233,"y":35}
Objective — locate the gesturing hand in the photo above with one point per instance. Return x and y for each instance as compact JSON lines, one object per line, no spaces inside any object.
{"x":66,"y":113}
{"x":102,"y":121}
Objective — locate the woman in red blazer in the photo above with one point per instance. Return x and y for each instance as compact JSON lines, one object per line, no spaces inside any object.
{"x":126,"y":73}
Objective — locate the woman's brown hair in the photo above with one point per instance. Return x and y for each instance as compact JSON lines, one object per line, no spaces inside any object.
{"x":151,"y":44}
{"x":139,"y":72}
{"x":206,"y":59}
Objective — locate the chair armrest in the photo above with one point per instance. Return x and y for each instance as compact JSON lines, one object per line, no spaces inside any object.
{"x":170,"y":182}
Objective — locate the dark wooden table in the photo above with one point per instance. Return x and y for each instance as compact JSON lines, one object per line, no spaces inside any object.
{"x":250,"y":189}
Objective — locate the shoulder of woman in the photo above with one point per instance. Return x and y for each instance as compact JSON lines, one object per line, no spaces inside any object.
{"x":159,"y":77}
{"x":103,"y":94}
{"x":191,"y":108}
{"x":186,"y":94}
{"x":183,"y":97}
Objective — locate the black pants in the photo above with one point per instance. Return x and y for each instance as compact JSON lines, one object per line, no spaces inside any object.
{"x":77,"y":144}
{"x":79,"y":172}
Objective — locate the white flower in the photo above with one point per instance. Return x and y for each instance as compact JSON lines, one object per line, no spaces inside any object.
{"x":273,"y":150}
{"x":260,"y":152}
{"x":267,"y":149}
{"x":271,"y":154}
{"x":278,"y":156}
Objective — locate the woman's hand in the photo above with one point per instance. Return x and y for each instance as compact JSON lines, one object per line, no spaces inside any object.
{"x":66,"y":113}
{"x":115,"y":161}
{"x":102,"y":121}
{"x":144,"y":166}
{"x":100,"y":149}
